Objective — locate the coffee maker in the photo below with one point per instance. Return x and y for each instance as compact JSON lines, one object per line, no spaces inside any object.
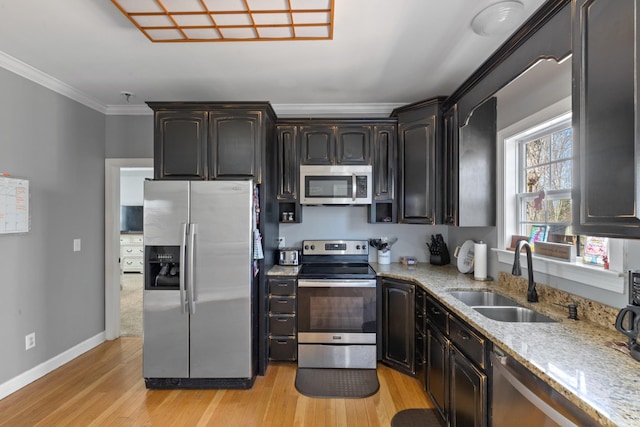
{"x":628,"y":320}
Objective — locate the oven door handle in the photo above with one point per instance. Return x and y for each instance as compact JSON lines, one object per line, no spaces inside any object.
{"x":348,"y":283}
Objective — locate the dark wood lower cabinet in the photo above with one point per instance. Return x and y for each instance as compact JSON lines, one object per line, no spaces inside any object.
{"x":438,"y":370}
{"x":398,"y":339}
{"x":468,"y":386}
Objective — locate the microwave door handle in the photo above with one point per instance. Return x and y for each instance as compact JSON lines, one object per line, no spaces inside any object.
{"x":353,"y":188}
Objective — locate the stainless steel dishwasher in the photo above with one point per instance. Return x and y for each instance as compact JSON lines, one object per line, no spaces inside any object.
{"x":521,"y":398}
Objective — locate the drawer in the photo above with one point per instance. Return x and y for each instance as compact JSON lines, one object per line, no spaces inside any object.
{"x":282,"y":325}
{"x":129,"y":251}
{"x":284,"y":305}
{"x":282,"y":286}
{"x":437,"y":315}
{"x":132,"y":264}
{"x":468,"y":342}
{"x":131,"y":239}
{"x":283,"y":349}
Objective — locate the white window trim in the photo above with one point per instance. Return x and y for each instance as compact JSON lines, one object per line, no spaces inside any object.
{"x":611,"y":280}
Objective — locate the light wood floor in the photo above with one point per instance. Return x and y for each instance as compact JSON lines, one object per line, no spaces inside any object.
{"x":104,"y":387}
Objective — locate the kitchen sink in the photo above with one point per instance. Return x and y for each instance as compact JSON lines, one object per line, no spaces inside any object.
{"x":498,"y":307}
{"x":512,"y":314}
{"x":483,"y":298}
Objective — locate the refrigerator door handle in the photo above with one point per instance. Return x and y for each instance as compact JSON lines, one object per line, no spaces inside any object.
{"x":190,"y":269}
{"x":183,"y":253}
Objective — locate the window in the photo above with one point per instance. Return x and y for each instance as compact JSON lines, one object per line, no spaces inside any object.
{"x":544,"y":183}
{"x":536,"y":179}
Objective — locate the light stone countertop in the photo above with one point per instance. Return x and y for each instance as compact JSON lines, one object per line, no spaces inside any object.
{"x":569,"y":355}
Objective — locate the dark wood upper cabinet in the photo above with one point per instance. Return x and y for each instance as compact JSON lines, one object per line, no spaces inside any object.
{"x":235,"y":144}
{"x":288,"y":170}
{"x":605,"y":118}
{"x":419,"y":150}
{"x":203,"y":140}
{"x":318,"y":144}
{"x":180,"y":145}
{"x":469,"y":197}
{"x":353,"y":144}
{"x":335,"y":143}
{"x":384,"y":162}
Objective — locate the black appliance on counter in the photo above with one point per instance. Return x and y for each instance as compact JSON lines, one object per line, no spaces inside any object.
{"x":628,"y":320}
{"x":337,"y":308}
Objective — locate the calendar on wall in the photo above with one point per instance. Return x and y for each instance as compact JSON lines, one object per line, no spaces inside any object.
{"x":14,"y":205}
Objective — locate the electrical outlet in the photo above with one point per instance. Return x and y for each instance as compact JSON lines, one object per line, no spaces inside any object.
{"x":30,"y":341}
{"x":76,"y":245}
{"x":281,"y":242}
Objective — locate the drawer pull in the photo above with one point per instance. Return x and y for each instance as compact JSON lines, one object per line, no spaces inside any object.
{"x":281,"y":342}
{"x":282,"y":301}
{"x":463,"y":335}
{"x":435,"y":311}
{"x":282,"y":320}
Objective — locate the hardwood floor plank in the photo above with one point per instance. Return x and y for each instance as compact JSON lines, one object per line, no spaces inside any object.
{"x":104,"y":387}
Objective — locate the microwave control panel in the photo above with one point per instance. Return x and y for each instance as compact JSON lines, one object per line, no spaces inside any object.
{"x":361,"y":186}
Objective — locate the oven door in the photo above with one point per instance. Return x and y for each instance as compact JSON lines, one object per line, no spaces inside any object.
{"x":337,"y":311}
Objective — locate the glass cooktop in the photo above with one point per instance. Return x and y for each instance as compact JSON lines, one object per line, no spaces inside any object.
{"x":337,"y":271}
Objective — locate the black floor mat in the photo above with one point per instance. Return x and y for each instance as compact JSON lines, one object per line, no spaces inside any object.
{"x":417,"y":418}
{"x":337,"y":383}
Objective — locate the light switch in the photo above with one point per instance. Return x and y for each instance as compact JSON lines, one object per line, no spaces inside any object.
{"x":76,"y":245}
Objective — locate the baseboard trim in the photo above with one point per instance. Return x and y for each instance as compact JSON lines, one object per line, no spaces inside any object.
{"x":52,"y":364}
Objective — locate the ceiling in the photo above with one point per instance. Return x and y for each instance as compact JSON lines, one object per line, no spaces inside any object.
{"x":383,"y":54}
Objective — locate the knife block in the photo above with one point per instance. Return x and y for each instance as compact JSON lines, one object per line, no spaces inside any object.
{"x":440,"y":259}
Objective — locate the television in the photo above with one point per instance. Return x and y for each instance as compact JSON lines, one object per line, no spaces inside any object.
{"x":131,"y":219}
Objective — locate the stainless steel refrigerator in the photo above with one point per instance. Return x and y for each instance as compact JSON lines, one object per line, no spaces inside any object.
{"x":198,"y":238}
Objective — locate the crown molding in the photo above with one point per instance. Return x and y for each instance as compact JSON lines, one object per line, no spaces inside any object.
{"x":129,"y":110}
{"x":366,"y":110}
{"x":31,"y":73}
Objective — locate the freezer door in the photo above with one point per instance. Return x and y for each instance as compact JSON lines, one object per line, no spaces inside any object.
{"x":220,"y":342}
{"x":165,"y":351}
{"x":166,"y":207}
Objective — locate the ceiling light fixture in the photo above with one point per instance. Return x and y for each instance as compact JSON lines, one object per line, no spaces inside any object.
{"x":230,"y":20}
{"x":499,"y":18}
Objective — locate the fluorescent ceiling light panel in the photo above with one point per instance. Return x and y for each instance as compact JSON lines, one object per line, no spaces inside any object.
{"x":230,"y":20}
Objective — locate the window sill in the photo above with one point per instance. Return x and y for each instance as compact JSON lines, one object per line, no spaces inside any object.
{"x":597,"y":277}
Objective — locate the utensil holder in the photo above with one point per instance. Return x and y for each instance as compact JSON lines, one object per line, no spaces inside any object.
{"x":384,"y":257}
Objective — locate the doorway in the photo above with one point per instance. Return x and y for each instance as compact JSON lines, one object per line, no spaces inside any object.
{"x":113,"y":174}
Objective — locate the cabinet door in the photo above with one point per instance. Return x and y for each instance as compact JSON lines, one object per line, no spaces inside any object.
{"x":287,"y":163}
{"x":317,"y":144}
{"x":398,"y":339}
{"x":468,"y":393}
{"x":384,"y":162}
{"x":605,"y":118}
{"x":438,"y":370}
{"x":235,"y":145}
{"x":180,"y":145}
{"x":417,"y":140}
{"x":451,"y":137}
{"x":353,"y":145}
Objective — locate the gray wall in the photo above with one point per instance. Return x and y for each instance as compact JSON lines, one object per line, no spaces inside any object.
{"x":350,"y":222}
{"x":129,"y":137}
{"x":47,"y":288}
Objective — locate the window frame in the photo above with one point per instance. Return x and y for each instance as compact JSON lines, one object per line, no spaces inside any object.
{"x":610,"y":280}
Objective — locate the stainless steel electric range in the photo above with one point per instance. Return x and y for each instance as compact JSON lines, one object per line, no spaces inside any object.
{"x":336,"y":305}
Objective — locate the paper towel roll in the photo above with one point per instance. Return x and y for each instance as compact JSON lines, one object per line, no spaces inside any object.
{"x":480,"y":261}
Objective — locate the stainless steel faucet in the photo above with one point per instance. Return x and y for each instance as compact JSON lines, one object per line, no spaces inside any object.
{"x":532,"y":295}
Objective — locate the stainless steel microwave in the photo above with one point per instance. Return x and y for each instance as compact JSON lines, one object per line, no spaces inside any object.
{"x":335,"y":185}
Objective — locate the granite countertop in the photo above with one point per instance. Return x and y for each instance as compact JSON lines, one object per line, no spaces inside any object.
{"x":569,"y":355}
{"x":572,"y":356}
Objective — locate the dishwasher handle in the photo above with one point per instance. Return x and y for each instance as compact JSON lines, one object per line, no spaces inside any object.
{"x":500,"y":364}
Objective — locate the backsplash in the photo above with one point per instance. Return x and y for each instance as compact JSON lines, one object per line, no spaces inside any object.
{"x":589,"y":310}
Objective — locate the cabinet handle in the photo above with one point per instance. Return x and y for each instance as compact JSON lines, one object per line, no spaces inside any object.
{"x":281,"y":342}
{"x":435,"y":311}
{"x":463,"y":335}
{"x":282,"y":301}
{"x":282,"y":285}
{"x":282,"y":320}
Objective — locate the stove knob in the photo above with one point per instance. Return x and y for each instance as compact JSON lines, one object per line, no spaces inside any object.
{"x":313,"y":247}
{"x":357,"y":247}
{"x":306,"y":247}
